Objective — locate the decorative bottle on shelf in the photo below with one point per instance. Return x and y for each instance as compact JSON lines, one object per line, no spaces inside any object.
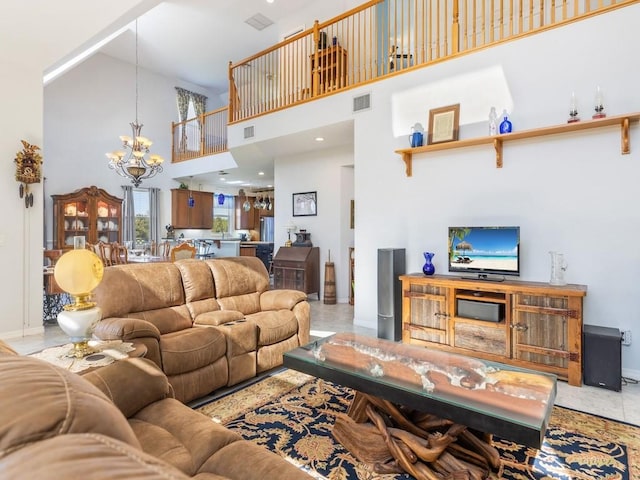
{"x":493,"y":121}
{"x":505,"y":126}
{"x":428,"y":268}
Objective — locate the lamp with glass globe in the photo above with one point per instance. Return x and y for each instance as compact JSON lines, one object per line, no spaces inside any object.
{"x":78,"y":272}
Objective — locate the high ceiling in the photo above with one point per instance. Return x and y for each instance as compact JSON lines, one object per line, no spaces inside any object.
{"x":194,"y":40}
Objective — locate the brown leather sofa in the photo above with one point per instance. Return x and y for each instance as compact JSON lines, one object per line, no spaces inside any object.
{"x":205,"y":323}
{"x":118,"y":422}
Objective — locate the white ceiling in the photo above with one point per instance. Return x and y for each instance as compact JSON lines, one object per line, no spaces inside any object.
{"x":194,"y":40}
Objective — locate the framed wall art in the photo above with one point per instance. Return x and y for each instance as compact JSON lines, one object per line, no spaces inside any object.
{"x":305,"y":204}
{"x":444,"y":124}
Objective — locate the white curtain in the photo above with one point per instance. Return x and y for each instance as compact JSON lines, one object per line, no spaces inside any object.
{"x":128,"y":216}
{"x":154,"y":215}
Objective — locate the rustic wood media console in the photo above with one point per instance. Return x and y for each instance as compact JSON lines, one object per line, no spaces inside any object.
{"x":539,"y":326}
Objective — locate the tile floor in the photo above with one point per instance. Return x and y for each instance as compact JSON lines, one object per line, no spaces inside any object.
{"x":623,"y":406}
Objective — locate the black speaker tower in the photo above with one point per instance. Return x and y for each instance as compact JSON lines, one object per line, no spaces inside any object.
{"x":602,"y":350}
{"x":391,"y":264}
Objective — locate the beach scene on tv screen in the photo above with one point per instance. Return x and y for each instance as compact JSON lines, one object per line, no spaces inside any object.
{"x":484,"y":249}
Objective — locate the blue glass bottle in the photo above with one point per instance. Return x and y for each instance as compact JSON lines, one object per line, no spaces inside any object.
{"x":505,"y":125}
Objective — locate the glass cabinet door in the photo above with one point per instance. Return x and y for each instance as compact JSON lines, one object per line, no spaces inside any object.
{"x":76,"y":221}
{"x":108,"y":221}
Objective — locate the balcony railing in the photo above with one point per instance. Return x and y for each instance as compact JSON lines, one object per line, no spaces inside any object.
{"x":200,"y":136}
{"x":386,"y":37}
{"x":371,"y":42}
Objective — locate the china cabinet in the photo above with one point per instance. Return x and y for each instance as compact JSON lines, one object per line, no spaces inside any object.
{"x":91,"y":213}
{"x":527,"y":324}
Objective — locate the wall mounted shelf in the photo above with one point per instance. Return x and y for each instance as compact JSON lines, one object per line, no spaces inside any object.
{"x":497,"y":140}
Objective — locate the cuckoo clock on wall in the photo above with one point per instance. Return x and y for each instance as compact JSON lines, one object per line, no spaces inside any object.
{"x":28,"y":170}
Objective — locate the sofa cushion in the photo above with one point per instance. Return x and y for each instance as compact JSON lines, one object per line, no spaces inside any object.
{"x":191,"y":349}
{"x":274,"y":326}
{"x":65,"y":403}
{"x":247,"y":303}
{"x":139,"y":287}
{"x":178,"y":435}
{"x":219,"y":317}
{"x":88,"y":456}
{"x":196,"y":279}
{"x":166,"y":320}
{"x":235,"y":276}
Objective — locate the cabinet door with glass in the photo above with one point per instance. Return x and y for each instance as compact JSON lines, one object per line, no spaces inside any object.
{"x":91,"y":213}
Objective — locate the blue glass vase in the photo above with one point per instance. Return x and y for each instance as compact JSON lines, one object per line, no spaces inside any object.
{"x":428,"y":268}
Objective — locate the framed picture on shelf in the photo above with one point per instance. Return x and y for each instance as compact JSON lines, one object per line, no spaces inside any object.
{"x":305,"y":204}
{"x":443,"y":124}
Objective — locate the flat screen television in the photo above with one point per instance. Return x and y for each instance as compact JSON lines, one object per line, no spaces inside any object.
{"x":483,"y":251}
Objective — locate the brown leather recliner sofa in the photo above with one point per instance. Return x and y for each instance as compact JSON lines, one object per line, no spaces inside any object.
{"x":118,"y":422}
{"x":206,"y":323}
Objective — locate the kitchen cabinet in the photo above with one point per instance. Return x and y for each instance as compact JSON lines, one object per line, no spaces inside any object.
{"x":297,"y":268}
{"x":246,"y":219}
{"x":247,"y":250}
{"x":199,"y":216}
{"x":91,"y":213}
{"x":532,"y":325}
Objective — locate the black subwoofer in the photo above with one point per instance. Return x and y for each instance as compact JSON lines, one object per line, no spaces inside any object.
{"x":602,"y":351}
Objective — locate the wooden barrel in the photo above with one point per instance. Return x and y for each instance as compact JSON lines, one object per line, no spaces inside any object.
{"x":329,"y":284}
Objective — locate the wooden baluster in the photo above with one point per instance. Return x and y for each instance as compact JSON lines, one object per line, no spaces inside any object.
{"x":455,"y":29}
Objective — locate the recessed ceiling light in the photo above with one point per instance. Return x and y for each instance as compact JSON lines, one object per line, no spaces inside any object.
{"x":223,"y":179}
{"x":319,"y":139}
{"x":269,"y":1}
{"x":260,"y":173}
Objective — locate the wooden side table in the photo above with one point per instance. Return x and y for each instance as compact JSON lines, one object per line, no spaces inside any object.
{"x":107,"y":353}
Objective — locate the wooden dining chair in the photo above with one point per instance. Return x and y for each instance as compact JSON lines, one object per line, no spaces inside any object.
{"x":51,"y":257}
{"x":119,"y":254}
{"x":165,"y":249}
{"x":104,"y":250}
{"x":184,"y":250}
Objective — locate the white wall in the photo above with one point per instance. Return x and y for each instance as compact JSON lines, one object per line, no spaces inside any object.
{"x":80,"y":127}
{"x":25,"y":54}
{"x":573,"y":193}
{"x":326,"y":173}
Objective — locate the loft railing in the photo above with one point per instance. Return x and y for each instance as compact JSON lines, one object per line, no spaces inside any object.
{"x":376,"y":40}
{"x":203,"y":135}
{"x":386,"y":37}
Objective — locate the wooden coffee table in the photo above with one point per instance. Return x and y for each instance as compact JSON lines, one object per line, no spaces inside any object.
{"x":485,"y":397}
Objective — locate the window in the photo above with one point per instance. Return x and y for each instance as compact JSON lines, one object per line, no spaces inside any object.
{"x":142,"y":216}
{"x":223,"y":215}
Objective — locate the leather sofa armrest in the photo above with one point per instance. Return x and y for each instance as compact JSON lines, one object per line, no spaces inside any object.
{"x":131,"y":384}
{"x":219,"y":317}
{"x":281,"y":299}
{"x":125,"y":329}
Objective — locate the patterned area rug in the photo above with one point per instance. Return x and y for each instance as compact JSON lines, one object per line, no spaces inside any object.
{"x":292,"y":414}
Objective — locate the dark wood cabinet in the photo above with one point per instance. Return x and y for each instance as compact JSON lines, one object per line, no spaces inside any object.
{"x":89,"y":212}
{"x":200,"y":215}
{"x":297,"y":268}
{"x":330,"y":71}
{"x":246,"y":219}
